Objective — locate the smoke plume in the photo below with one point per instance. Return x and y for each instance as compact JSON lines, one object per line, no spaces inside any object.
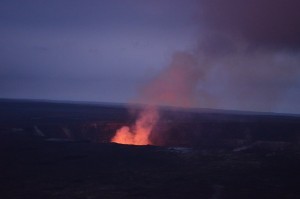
{"x":139,"y":133}
{"x":247,"y":58}
{"x":175,"y":86}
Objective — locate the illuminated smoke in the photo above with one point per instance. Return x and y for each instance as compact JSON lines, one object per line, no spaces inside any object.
{"x":175,"y":86}
{"x":243,"y":63}
{"x":139,"y":133}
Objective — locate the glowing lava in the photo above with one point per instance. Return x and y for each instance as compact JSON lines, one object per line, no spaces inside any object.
{"x":139,"y":133}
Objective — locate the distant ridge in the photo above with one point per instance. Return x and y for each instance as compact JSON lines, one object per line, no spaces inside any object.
{"x":25,"y":100}
{"x":122,"y":105}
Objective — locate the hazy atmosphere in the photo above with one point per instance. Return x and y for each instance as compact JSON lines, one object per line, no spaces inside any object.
{"x":238,"y":55}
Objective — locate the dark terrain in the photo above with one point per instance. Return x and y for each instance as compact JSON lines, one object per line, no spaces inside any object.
{"x":62,"y":150}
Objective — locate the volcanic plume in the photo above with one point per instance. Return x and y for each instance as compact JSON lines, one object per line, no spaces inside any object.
{"x":139,"y":133}
{"x":175,"y":86}
{"x":247,"y":58}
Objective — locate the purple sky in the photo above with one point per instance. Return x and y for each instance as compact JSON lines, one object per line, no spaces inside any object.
{"x":106,"y":50}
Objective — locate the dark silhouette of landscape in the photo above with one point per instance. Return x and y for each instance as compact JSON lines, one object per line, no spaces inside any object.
{"x":52,"y":149}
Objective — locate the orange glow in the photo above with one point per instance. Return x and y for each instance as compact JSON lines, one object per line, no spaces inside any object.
{"x":139,"y":133}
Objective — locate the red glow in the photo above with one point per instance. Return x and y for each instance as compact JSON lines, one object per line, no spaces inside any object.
{"x":140,"y":131}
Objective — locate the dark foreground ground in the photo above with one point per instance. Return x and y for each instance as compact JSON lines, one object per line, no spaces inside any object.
{"x":34,"y":168}
{"x":62,"y":151}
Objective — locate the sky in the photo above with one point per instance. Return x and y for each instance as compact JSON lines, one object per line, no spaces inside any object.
{"x":246,"y":54}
